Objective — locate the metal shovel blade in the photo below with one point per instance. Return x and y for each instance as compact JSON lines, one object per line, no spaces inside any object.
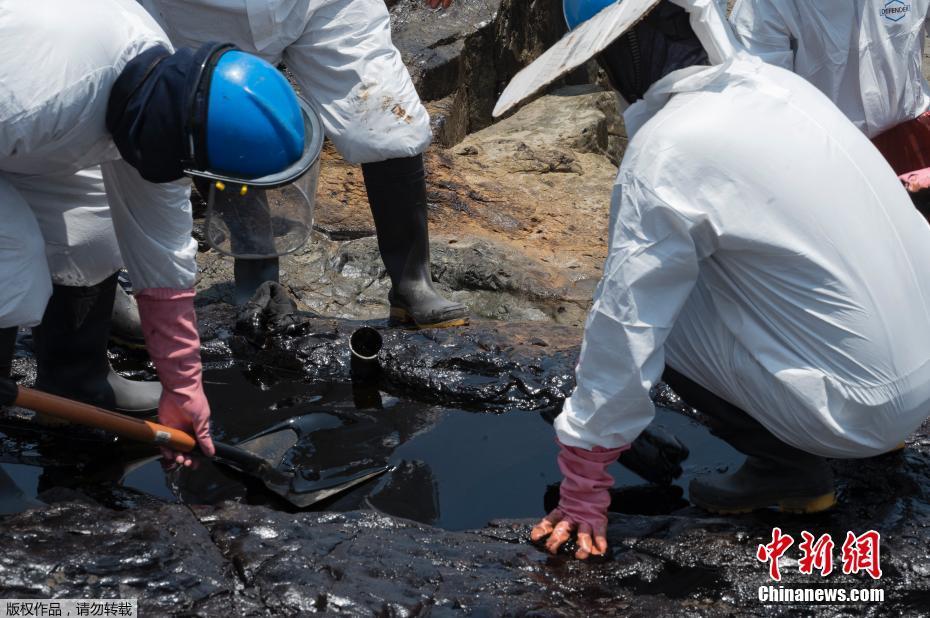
{"x":270,"y":446}
{"x":261,"y":456}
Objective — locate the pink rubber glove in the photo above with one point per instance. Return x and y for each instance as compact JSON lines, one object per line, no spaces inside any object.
{"x":170,"y":328}
{"x":916,"y":181}
{"x":583,"y":501}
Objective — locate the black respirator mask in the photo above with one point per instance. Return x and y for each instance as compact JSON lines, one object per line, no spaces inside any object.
{"x":659,"y":44}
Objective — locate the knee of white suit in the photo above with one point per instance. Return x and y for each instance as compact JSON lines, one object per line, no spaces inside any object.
{"x":25,"y":304}
{"x":399,"y":130}
{"x":73,"y":214}
{"x":363,"y":92}
{"x":24,"y":275}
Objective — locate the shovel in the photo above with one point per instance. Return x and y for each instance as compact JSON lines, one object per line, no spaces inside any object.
{"x":248,"y":456}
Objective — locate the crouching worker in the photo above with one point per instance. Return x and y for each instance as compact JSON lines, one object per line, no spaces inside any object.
{"x":762,"y":255}
{"x":97,"y":83}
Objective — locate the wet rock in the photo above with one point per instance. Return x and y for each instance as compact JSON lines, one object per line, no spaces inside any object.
{"x":362,"y":563}
{"x":158,"y":553}
{"x":353,"y":562}
{"x":487,"y":366}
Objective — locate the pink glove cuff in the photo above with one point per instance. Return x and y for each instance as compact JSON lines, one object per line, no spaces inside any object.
{"x":583,"y":494}
{"x":165,"y":294}
{"x":169,"y":325}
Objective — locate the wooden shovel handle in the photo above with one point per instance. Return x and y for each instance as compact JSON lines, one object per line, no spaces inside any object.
{"x":92,"y":416}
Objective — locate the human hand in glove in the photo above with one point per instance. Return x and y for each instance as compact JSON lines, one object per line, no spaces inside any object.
{"x":655,"y":455}
{"x":170,"y":328}
{"x":435,"y":4}
{"x":916,"y":181}
{"x":583,"y":502}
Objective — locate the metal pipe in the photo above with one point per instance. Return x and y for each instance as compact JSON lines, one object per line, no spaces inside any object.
{"x":364,"y":344}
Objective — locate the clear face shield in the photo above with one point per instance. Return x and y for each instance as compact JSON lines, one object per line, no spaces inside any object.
{"x":265,"y":217}
{"x":251,"y":222}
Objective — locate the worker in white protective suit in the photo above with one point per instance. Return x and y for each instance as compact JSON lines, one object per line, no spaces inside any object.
{"x":138,"y":109}
{"x":791,"y":311}
{"x":70,"y":343}
{"x":865,"y":55}
{"x":341,"y":55}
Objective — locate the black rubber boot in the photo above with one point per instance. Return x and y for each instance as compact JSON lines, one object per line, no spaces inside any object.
{"x":784,"y":483}
{"x":8,"y":389}
{"x":250,"y":274}
{"x":397,"y":195}
{"x":774,"y":474}
{"x":125,"y":324}
{"x":7,"y":350}
{"x":71,"y":352}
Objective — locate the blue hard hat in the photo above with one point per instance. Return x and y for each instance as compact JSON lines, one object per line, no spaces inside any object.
{"x":245,"y":122}
{"x":254,"y":124}
{"x":213,"y":112}
{"x":580,"y":11}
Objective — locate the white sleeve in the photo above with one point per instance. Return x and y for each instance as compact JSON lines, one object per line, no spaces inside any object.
{"x":650,"y":270}
{"x":153,"y":227}
{"x":761,"y":28}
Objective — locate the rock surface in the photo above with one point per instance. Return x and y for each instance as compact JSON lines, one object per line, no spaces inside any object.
{"x":487,"y":366}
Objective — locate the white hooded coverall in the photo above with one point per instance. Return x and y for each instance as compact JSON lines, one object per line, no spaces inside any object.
{"x":58,"y":61}
{"x":762,"y":247}
{"x":339,"y":51}
{"x":865,"y":55}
